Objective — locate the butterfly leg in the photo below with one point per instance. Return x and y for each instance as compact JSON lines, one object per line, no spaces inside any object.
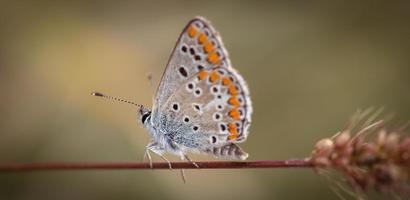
{"x":147,"y":155}
{"x":183,"y":157}
{"x":169,"y":163}
{"x":189,"y":160}
{"x":153,"y":147}
{"x":183,"y":175}
{"x":182,"y":170}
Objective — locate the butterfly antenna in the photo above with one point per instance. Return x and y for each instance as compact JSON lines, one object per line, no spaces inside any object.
{"x":99,"y":94}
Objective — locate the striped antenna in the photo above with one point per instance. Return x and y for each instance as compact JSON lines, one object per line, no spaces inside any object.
{"x":99,"y":94}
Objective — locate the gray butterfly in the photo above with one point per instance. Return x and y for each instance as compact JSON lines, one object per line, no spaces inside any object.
{"x":202,"y":104}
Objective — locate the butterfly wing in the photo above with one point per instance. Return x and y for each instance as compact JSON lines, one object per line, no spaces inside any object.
{"x":198,"y":47}
{"x":202,"y":101}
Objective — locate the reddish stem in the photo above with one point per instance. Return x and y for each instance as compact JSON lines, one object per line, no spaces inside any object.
{"x":156,"y":165}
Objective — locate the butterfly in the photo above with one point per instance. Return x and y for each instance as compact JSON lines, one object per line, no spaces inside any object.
{"x":202,"y":103}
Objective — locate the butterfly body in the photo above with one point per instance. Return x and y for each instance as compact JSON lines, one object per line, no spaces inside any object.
{"x":202,"y":104}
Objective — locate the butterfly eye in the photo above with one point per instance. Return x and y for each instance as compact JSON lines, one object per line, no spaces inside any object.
{"x":145,"y":117}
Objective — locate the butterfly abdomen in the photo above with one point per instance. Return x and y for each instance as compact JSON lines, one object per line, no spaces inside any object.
{"x":228,"y":151}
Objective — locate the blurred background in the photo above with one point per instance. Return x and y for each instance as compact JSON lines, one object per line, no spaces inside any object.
{"x":309,"y":65}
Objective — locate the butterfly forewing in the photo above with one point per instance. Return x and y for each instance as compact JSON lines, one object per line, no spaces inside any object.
{"x":198,"y":47}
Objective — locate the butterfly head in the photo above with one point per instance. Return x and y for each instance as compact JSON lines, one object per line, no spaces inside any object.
{"x":144,"y":114}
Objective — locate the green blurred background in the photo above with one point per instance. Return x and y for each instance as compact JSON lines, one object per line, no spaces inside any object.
{"x":309,"y":66}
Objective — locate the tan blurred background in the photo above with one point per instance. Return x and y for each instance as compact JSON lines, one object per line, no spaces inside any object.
{"x":309,"y":66}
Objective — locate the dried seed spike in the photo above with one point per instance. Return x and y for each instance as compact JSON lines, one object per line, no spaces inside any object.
{"x":342,"y":139}
{"x":392,"y":142}
{"x":381,"y":162}
{"x":368,"y":128}
{"x":381,"y":137}
{"x":373,"y":117}
{"x":324,"y":147}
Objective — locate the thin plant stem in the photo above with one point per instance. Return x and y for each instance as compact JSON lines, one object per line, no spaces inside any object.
{"x":156,"y":165}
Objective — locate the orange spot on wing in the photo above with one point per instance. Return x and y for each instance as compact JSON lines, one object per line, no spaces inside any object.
{"x":233,"y":131}
{"x":192,"y":31}
{"x":213,"y":58}
{"x":202,"y":75}
{"x":208,"y":47}
{"x":202,"y":38}
{"x":232,"y":90}
{"x":232,"y":137}
{"x":226,"y":81}
{"x":234,"y":114}
{"x":214,"y":76}
{"x":234,"y":101}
